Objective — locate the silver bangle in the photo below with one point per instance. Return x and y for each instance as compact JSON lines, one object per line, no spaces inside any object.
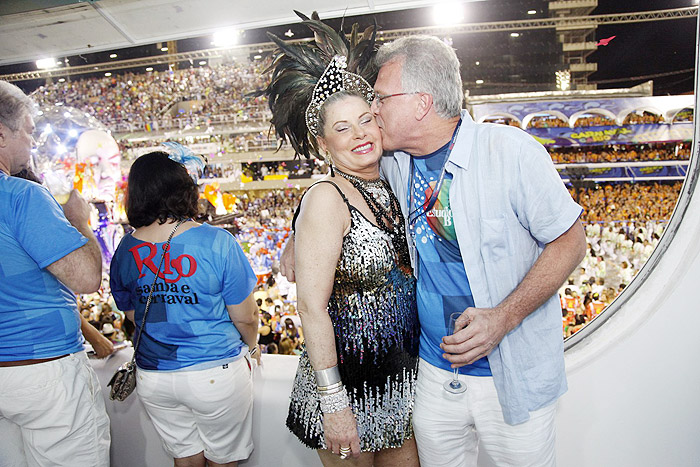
{"x":327,"y":377}
{"x":332,"y":403}
{"x":330,"y":389}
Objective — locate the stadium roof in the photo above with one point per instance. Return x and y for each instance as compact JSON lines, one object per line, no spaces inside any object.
{"x":86,"y":32}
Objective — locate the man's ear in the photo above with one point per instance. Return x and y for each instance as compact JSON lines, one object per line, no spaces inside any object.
{"x":425,"y":103}
{"x":4,"y":134}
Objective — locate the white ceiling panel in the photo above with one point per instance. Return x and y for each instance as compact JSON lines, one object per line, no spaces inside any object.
{"x":112,"y":24}
{"x":29,"y":36}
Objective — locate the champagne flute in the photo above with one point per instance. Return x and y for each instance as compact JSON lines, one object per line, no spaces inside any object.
{"x":454,"y":385}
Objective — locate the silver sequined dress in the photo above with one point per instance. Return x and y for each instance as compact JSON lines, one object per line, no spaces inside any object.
{"x":373,"y":310}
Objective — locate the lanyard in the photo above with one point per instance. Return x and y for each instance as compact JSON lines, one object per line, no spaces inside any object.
{"x":414,"y":214}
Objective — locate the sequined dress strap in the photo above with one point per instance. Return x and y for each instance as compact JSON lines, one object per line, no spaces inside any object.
{"x":296,"y":213}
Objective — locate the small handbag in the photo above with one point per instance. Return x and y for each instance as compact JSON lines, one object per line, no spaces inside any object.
{"x":123,"y":382}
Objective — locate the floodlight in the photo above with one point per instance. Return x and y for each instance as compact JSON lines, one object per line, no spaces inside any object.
{"x":46,"y":63}
{"x":225,"y":37}
{"x":448,"y":13}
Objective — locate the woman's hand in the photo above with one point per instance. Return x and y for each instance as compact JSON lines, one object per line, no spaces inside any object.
{"x":255,"y":353}
{"x":340,"y":429}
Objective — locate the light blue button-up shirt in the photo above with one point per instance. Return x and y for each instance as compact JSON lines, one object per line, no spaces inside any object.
{"x":508,"y":202}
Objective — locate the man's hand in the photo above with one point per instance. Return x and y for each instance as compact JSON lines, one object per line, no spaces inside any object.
{"x":77,"y":210}
{"x":102,"y":346}
{"x":488,"y":326}
{"x":287,"y":259}
{"x":481,"y":329}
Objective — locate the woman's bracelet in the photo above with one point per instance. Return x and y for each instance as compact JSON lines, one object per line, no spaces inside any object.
{"x":326,"y":390}
{"x":332,"y":403}
{"x":328,"y":377}
{"x":254,"y":350}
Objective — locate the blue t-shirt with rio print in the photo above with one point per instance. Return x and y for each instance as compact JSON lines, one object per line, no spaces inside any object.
{"x":188,"y":325}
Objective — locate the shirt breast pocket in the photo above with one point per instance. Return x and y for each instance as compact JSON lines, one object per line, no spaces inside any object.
{"x":494,"y":239}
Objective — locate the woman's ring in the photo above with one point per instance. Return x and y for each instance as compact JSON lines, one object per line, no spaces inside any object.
{"x":345,"y":452}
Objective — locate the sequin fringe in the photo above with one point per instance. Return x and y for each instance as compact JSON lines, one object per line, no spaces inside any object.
{"x":383,"y":416}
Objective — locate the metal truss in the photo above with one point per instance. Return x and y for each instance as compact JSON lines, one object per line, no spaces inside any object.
{"x":547,"y":23}
{"x":469,"y":28}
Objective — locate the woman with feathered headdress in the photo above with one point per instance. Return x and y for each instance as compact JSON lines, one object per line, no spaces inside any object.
{"x":354,"y":388}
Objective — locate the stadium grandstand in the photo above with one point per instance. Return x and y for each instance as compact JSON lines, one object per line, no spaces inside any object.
{"x":607,"y":87}
{"x":623,"y":152}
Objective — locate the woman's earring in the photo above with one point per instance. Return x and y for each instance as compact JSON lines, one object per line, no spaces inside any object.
{"x":329,"y":161}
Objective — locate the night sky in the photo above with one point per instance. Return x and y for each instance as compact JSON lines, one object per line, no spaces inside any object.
{"x":643,"y":49}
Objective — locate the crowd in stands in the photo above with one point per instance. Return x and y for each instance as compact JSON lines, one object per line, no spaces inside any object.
{"x":623,"y":224}
{"x":623,"y":221}
{"x":621,"y":153}
{"x":616,"y":252}
{"x":590,"y":120}
{"x":298,"y":168}
{"x":642,"y":201}
{"x":594,"y":120}
{"x":224,"y":143}
{"x":280,"y":330}
{"x":143,"y":100}
{"x":100,"y":311}
{"x":503,"y":121}
{"x":685,"y":115}
{"x":547,"y":121}
{"x":262,"y":228}
{"x":222,"y":170}
{"x":642,"y":118}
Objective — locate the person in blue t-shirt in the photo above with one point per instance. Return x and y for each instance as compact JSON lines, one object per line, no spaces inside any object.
{"x":494,"y":234}
{"x":193,"y":358}
{"x":51,"y":405}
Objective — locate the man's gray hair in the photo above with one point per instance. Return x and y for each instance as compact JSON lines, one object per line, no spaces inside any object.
{"x":430,"y":66}
{"x":13,"y":104}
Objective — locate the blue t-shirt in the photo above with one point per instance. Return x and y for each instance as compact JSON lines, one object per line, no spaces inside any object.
{"x":188,"y":325}
{"x":38,"y":314}
{"x":443,"y":287}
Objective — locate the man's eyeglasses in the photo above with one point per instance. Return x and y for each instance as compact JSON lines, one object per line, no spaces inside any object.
{"x":380,"y":98}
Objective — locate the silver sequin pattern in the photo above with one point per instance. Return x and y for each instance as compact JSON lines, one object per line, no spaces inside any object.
{"x":372,"y":308}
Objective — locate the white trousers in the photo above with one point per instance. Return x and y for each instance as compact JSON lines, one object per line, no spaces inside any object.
{"x":53,"y":414}
{"x":450,"y":428}
{"x":208,"y":411}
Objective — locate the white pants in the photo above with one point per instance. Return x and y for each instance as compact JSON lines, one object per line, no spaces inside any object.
{"x":208,"y":411}
{"x":55,"y":412}
{"x":450,"y":427}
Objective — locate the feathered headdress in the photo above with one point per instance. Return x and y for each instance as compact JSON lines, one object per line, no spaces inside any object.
{"x":298,"y":68}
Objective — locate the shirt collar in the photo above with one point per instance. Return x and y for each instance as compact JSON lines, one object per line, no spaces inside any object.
{"x":459,"y":157}
{"x":463,"y":146}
